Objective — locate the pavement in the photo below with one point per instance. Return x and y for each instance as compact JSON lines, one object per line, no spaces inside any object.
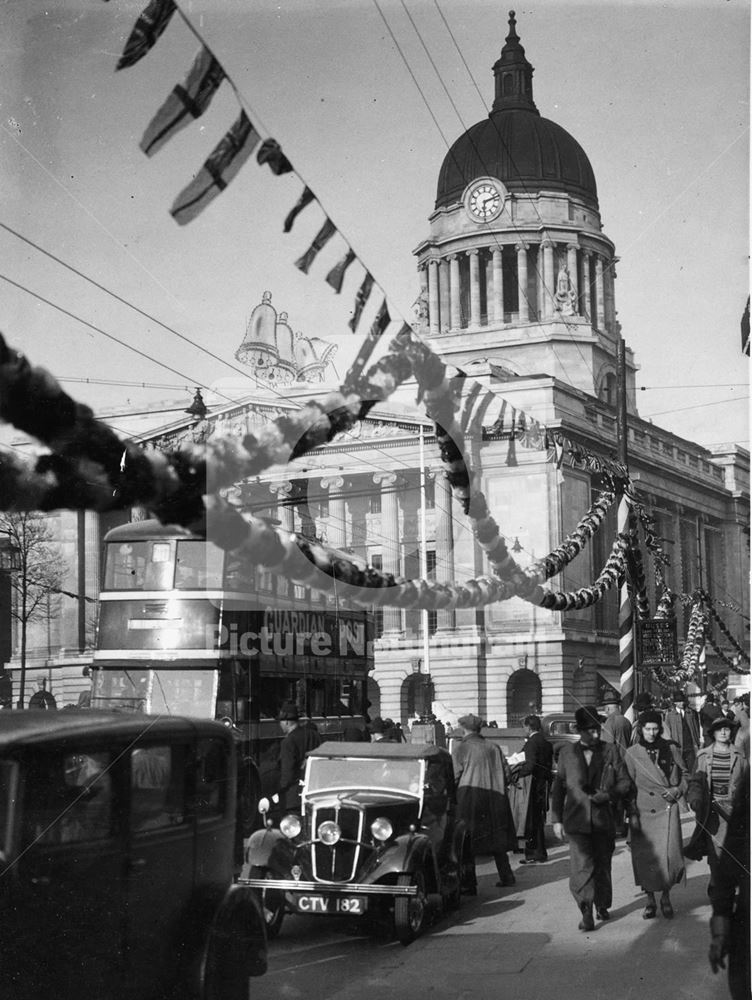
{"x":522,"y":943}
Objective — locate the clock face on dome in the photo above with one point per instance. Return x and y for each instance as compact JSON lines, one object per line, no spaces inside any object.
{"x":484,"y":199}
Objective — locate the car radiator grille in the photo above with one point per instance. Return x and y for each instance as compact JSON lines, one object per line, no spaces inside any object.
{"x":340,"y":862}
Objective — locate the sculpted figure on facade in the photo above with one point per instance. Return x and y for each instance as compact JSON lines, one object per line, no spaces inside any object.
{"x":565,"y":298}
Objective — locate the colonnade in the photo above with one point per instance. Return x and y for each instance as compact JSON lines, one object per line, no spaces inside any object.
{"x":388,"y":536}
{"x":520,"y":282}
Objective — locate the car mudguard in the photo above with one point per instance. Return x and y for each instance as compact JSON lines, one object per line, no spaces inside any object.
{"x":406,"y":854}
{"x":270,"y":849}
{"x":235,"y":946}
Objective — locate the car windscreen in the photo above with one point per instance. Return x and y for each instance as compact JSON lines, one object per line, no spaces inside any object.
{"x":387,"y":774}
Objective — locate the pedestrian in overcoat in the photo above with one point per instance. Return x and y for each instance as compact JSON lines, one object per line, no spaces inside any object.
{"x":482,"y":775}
{"x":298,"y":740}
{"x":590,"y":778}
{"x":539,"y":756}
{"x":655,"y":838}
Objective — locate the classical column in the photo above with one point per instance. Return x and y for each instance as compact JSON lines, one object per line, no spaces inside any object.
{"x":599,"y":294}
{"x":498,"y":285}
{"x":423,"y":298}
{"x":444,"y":543}
{"x":573,"y":276}
{"x":587,"y":308}
{"x":433,"y":296}
{"x":336,"y":529}
{"x":539,"y":281}
{"x":390,"y":542}
{"x":611,"y":294}
{"x":524,"y":305}
{"x":454,"y":291}
{"x":283,"y":491}
{"x":474,"y":288}
{"x":548,"y":278}
{"x":444,"y":294}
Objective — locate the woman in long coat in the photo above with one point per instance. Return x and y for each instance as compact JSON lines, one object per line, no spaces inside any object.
{"x":660,"y":779}
{"x":482,"y":775}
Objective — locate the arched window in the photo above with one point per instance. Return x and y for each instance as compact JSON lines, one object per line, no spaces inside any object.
{"x":608,"y":390}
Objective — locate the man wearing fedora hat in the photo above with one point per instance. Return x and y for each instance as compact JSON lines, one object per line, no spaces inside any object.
{"x":298,"y":740}
{"x":590,"y":778}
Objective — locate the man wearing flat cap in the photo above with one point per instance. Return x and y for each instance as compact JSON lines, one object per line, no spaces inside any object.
{"x":298,"y":740}
{"x":482,"y":775}
{"x":590,"y":779}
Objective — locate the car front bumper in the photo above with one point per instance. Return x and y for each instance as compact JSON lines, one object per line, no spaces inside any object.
{"x":341,"y":888}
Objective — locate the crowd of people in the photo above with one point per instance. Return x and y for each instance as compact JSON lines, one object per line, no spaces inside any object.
{"x":635,"y":780}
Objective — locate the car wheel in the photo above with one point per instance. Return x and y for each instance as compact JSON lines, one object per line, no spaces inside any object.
{"x":272,"y":903}
{"x":410,"y":911}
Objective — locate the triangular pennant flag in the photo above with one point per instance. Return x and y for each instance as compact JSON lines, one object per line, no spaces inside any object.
{"x":360,"y":301}
{"x":305,"y":199}
{"x":337,"y":274}
{"x":271,"y":153}
{"x":380,"y":323}
{"x":185,"y":103}
{"x":225,"y":161}
{"x":147,"y":29}
{"x":366,"y":349}
{"x":320,"y":240}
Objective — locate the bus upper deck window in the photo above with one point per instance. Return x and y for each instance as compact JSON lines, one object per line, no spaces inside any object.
{"x":160,"y":568}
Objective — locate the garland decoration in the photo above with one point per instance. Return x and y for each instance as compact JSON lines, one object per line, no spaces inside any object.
{"x":722,"y":626}
{"x":696,"y":631}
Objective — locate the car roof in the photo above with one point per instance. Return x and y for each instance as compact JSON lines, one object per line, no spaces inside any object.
{"x":22,"y":728}
{"x":150,"y":528}
{"x":379,"y":750}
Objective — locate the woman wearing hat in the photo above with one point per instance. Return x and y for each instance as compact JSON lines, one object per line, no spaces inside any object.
{"x":719,"y":770}
{"x":659,"y":777}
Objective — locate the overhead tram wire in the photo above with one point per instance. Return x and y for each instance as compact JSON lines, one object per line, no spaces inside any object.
{"x":125,"y":302}
{"x":153,"y":319}
{"x":111,"y":336}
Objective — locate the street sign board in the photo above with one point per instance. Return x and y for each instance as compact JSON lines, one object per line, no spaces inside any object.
{"x":656,"y":642}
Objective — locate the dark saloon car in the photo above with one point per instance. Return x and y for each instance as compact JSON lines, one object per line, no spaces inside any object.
{"x":116,"y":860}
{"x":378,"y":838}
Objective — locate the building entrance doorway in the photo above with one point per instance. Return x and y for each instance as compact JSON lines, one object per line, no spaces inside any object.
{"x":524,"y":696}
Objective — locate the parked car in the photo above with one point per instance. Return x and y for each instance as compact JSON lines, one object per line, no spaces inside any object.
{"x":377,"y":836}
{"x":560,"y":729}
{"x":116,"y":853}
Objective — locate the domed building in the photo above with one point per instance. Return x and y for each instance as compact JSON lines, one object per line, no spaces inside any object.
{"x":517,"y":263}
{"x":518,"y":297}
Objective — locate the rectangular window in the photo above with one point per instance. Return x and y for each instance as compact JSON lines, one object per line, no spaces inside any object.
{"x":157,"y":787}
{"x":198,"y":566}
{"x":210,"y":794}
{"x":374,"y":502}
{"x":8,"y":799}
{"x":431,"y":570}
{"x":68,"y":798}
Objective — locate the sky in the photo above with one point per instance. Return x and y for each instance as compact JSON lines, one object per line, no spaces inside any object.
{"x":657,"y":94}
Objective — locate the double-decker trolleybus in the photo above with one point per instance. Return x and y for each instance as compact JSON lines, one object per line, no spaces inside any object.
{"x":186,"y":629}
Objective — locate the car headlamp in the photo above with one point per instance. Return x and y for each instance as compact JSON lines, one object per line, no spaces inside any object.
{"x":381,"y":828}
{"x":291,"y":826}
{"x":329,"y":833}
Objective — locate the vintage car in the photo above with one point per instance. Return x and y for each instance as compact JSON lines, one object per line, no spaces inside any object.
{"x":116,"y":854}
{"x":559,"y":728}
{"x":378,"y":836}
